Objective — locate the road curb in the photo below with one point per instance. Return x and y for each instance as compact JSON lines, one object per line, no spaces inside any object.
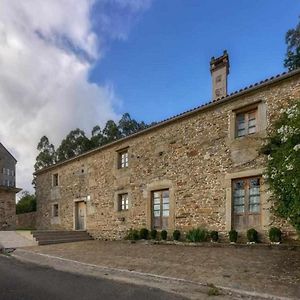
{"x":171,"y":284}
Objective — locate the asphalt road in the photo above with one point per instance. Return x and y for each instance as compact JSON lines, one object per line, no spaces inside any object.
{"x":24,"y":281}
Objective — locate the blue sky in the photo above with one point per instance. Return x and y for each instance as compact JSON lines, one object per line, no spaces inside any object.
{"x":162,"y":67}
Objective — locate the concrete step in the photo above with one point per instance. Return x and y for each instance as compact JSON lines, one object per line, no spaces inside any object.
{"x":66,"y":240}
{"x":56,"y":236}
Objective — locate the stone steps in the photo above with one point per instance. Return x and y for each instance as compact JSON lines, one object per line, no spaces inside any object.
{"x":56,"y":237}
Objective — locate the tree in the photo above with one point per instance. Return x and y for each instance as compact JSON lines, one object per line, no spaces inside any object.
{"x":128,"y":126}
{"x":283,"y":167}
{"x":47,"y":155}
{"x":111,"y":132}
{"x":26,"y":204}
{"x":292,"y":39}
{"x":97,"y":138}
{"x":74,"y":144}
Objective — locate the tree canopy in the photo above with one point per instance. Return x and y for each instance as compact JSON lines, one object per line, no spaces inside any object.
{"x":283,"y":167}
{"x":292,"y":39}
{"x":76,"y":142}
{"x":26,"y":204}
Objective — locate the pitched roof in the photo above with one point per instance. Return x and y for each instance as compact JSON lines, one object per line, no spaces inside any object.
{"x":1,"y":145}
{"x":233,"y":95}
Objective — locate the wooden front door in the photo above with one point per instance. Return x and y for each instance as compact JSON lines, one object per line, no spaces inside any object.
{"x":160,"y":209}
{"x":246,"y":203}
{"x":80,"y":215}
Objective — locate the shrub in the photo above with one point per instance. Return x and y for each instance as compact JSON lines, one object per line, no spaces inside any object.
{"x":252,"y":235}
{"x":144,"y":232}
{"x":133,"y":234}
{"x":283,"y":165}
{"x":214,"y":235}
{"x":275,"y":235}
{"x":176,"y":235}
{"x":197,"y":235}
{"x":164,"y":234}
{"x":233,"y":236}
{"x":153,"y":234}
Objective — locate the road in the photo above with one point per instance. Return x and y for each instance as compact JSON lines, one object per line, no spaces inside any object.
{"x":22,"y":281}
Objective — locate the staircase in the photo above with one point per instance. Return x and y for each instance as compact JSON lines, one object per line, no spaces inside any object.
{"x":47,"y":237}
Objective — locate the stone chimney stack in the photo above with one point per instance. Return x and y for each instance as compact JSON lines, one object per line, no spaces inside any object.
{"x":219,"y":68}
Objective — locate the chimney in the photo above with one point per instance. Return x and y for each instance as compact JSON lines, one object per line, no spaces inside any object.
{"x":219,"y":68}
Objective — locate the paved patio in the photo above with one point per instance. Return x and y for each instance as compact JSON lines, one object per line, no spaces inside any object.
{"x":16,"y":239}
{"x":262,"y":270}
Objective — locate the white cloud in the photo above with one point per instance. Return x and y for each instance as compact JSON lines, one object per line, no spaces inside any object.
{"x":47,"y":49}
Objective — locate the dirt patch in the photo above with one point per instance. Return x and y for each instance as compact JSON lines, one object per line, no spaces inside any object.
{"x":262,"y":270}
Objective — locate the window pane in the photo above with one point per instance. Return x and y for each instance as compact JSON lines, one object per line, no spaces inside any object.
{"x":156,"y":195}
{"x":156,"y":213}
{"x":165,"y":194}
{"x":156,"y":200}
{"x":165,"y":213}
{"x":156,"y":207}
{"x":239,"y":208}
{"x":166,"y":206}
{"x":254,"y":208}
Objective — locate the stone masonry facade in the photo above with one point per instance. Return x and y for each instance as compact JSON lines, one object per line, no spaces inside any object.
{"x":195,"y":156}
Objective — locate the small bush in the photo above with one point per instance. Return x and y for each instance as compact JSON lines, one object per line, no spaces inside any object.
{"x":153,"y":234}
{"x":214,"y":235}
{"x":164,"y":234}
{"x":144,"y":232}
{"x":176,"y":235}
{"x":233,"y":236}
{"x":275,"y":235}
{"x":213,"y":290}
{"x":197,"y":235}
{"x":252,"y":235}
{"x":133,"y":235}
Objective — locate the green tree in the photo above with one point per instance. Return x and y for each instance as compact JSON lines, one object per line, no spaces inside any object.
{"x":74,"y":144}
{"x":26,"y":204}
{"x":283,"y":167}
{"x":111,"y":132}
{"x":97,"y":138}
{"x":128,"y":126}
{"x":47,"y":154}
{"x":292,"y":39}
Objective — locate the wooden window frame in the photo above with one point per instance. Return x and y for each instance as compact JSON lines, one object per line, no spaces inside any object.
{"x":55,"y":180}
{"x":123,"y":206}
{"x":161,"y":210}
{"x":123,"y":163}
{"x":246,"y":113}
{"x":55,"y":211}
{"x":246,"y":211}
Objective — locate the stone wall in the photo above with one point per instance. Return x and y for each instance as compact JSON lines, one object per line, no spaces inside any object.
{"x":194,"y":157}
{"x":7,"y":210}
{"x":26,"y":220}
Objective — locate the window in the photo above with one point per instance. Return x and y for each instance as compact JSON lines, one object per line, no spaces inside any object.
{"x":123,"y":159}
{"x":123,"y":202}
{"x":55,"y":210}
{"x":246,"y":202}
{"x":246,"y":123}
{"x":55,"y":179}
{"x":160,"y":209}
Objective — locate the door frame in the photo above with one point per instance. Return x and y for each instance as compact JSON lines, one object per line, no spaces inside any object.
{"x":75,"y":210}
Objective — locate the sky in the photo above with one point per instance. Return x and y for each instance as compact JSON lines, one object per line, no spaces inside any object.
{"x":67,"y":63}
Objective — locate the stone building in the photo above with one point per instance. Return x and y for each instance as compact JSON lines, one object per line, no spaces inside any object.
{"x":8,"y":189}
{"x":200,"y":168}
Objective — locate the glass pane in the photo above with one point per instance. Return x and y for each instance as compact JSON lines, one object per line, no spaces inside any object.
{"x":241,"y":132}
{"x":165,"y":194}
{"x":252,"y":130}
{"x":239,"y":201}
{"x":165,"y":213}
{"x":254,"y":199}
{"x":239,"y":208}
{"x":156,"y":206}
{"x":166,"y":206}
{"x":156,"y":200}
{"x":254,"y":191}
{"x":239,"y":193}
{"x":254,"y":208}
{"x":239,"y":184}
{"x":156,"y":213}
{"x":165,"y":200}
{"x":156,"y":195}
{"x":254,"y":182}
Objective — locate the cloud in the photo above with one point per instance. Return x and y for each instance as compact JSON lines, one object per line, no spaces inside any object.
{"x":47,"y":51}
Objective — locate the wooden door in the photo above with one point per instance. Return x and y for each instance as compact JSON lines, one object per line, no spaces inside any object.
{"x":160,"y":209}
{"x":246,"y":203}
{"x":80,"y":215}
